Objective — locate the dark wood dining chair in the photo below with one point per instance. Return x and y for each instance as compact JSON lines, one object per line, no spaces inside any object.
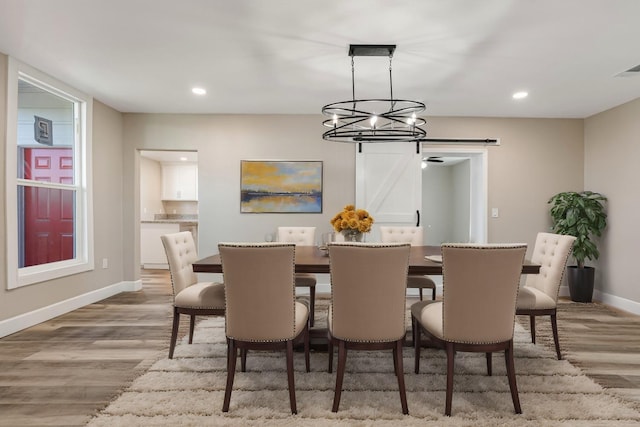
{"x":477,"y":311}
{"x":261,"y":309}
{"x":415,"y":237}
{"x":368,"y":305}
{"x":539,"y":295}
{"x":190,"y":297}
{"x":303,"y":236}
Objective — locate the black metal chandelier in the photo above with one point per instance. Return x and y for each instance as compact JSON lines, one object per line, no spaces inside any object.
{"x":373,"y":120}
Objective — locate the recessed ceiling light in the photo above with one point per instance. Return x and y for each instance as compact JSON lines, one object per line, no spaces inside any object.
{"x":183,"y":159}
{"x":199,"y":91}
{"x":520,"y":95}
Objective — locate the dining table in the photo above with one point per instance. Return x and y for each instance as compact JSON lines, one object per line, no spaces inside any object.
{"x":312,"y":259}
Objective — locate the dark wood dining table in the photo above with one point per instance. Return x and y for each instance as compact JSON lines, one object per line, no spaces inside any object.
{"x":310,"y":259}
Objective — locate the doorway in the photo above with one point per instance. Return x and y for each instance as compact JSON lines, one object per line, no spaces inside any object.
{"x":454,"y":195}
{"x":168,"y":201}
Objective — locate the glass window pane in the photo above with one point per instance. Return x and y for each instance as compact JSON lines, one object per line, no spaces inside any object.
{"x":45,"y":121}
{"x":46,"y":225}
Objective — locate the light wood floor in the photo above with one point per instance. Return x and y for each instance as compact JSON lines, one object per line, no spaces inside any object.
{"x":63,"y":371}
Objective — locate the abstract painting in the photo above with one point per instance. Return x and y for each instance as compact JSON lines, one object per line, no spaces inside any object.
{"x":280,"y":186}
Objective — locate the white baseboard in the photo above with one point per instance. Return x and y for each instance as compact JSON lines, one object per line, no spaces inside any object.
{"x":26,"y":320}
{"x":611,"y":300}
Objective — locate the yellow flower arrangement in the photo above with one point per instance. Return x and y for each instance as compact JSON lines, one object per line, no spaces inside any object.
{"x":352,"y":219}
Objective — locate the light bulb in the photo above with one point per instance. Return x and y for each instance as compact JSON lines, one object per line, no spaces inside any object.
{"x":335,"y":119}
{"x":373,"y":121}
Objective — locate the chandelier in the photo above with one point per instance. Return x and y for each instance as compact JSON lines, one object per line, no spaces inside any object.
{"x":373,"y":120}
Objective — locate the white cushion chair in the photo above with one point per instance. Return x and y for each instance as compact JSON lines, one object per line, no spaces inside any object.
{"x":477,"y":312}
{"x":303,"y":236}
{"x":415,"y":237}
{"x":261,"y":310}
{"x":190,"y":297}
{"x":539,"y":295}
{"x":368,"y":304}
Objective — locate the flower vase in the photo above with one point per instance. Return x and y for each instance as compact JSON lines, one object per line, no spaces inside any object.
{"x":352,"y":235}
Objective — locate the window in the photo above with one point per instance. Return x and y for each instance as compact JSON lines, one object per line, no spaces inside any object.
{"x":48,"y":197}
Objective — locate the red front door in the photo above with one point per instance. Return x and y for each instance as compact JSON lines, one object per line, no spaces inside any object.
{"x":48,"y":213}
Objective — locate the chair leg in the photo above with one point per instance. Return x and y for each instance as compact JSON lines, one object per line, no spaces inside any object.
{"x":342,"y":361}
{"x":232,"y":355}
{"x":532,"y":326}
{"x":312,"y":304}
{"x":192,"y":325}
{"x":554,"y":328}
{"x":420,"y":290}
{"x":174,"y":332}
{"x":395,"y":361}
{"x":243,"y":360}
{"x":511,"y":373}
{"x":306,"y":349}
{"x":489,"y":367}
{"x":450,"y":364}
{"x":416,"y":345}
{"x":292,"y":387}
{"x":330,"y":354}
{"x":400,"y":374}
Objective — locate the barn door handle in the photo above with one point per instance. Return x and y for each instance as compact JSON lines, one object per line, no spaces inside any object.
{"x":418,"y":215}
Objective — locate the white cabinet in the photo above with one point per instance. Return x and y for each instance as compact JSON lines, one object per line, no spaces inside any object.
{"x":179,"y":181}
{"x":152,"y":253}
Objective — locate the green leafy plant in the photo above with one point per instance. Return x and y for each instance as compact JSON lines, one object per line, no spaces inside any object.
{"x":581,"y":215}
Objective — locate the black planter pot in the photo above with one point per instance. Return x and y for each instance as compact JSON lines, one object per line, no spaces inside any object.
{"x":580,"y":282}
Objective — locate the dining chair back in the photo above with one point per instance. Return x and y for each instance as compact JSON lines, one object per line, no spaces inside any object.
{"x":261,"y":309}
{"x":539,"y":295}
{"x":402,"y":234}
{"x":415,"y":237}
{"x":302,"y":236}
{"x":190,"y":296}
{"x":482,"y":286}
{"x":367,"y":311}
{"x":477,"y":312}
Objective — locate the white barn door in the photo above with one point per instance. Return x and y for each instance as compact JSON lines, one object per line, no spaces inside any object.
{"x":389,"y":183}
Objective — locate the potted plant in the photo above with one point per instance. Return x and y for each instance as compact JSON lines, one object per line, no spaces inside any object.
{"x":581,"y":215}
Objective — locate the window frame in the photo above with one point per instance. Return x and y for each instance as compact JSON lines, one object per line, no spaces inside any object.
{"x":83,"y":232}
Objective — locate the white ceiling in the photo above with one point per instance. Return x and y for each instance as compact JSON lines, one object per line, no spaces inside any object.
{"x":460,"y":57}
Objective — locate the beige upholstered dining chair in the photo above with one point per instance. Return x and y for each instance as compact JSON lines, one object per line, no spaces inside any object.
{"x":261,"y":310}
{"x":414,"y":236}
{"x":539,"y":295}
{"x":303,"y":236}
{"x":477,"y":312}
{"x":368,"y":304}
{"x":190,"y":297}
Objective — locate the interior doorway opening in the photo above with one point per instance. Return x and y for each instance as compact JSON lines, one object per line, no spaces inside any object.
{"x":454,"y":195}
{"x":168,"y":201}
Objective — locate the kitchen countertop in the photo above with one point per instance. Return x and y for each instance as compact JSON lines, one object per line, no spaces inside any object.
{"x":182,"y":219}
{"x":170,"y":221}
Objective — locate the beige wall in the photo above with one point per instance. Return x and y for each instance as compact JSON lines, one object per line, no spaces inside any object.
{"x":108,"y":219}
{"x":611,"y":162}
{"x":535,"y":161}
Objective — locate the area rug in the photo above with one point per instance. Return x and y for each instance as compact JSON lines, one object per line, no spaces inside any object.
{"x":188,"y":390}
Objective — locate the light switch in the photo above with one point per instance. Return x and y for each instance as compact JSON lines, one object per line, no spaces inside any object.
{"x":494,"y":213}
